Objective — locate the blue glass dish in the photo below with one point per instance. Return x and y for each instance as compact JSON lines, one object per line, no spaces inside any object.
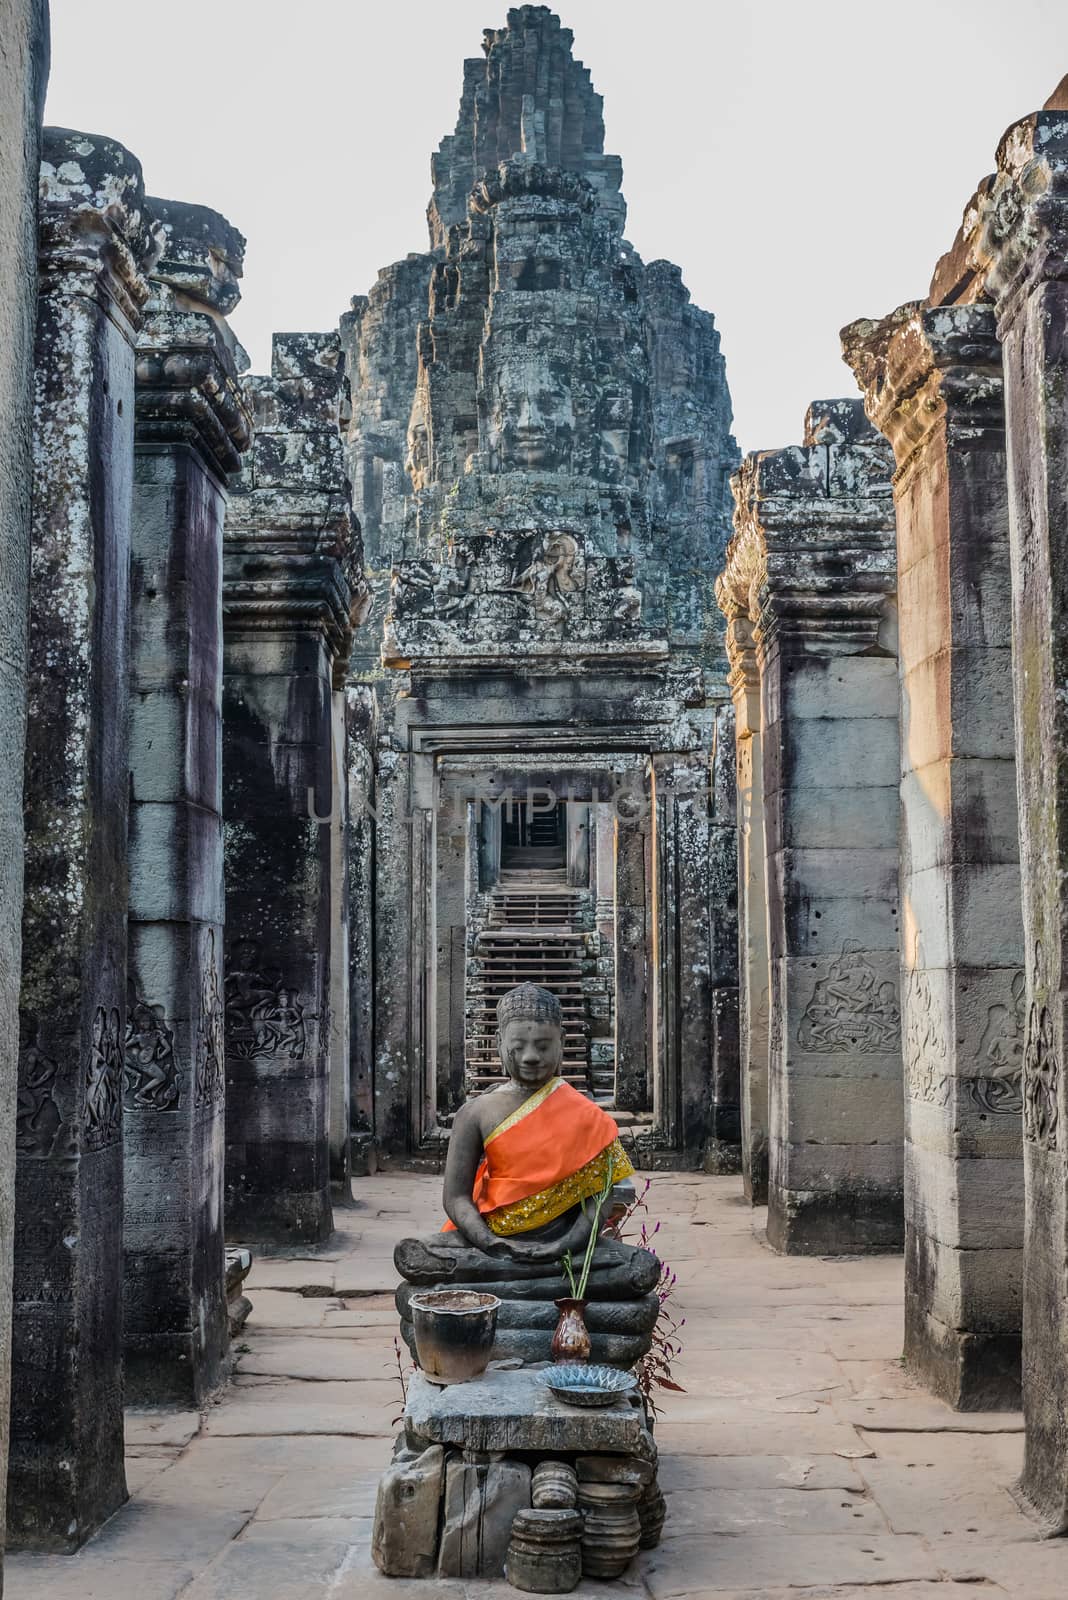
{"x":579,"y":1385}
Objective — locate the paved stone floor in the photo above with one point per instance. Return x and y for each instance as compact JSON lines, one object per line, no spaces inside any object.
{"x":800,"y":1459}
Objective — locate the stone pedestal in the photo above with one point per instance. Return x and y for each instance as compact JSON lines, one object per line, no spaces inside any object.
{"x":191,"y":427}
{"x":291,"y":577}
{"x":1024,"y":226}
{"x":545,"y":1551}
{"x":456,"y":1502}
{"x":66,"y":1466}
{"x":932,"y":377}
{"x":23,"y":71}
{"x":815,"y":527}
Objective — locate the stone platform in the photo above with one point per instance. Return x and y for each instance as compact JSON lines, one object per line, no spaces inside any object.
{"x":472,"y":1456}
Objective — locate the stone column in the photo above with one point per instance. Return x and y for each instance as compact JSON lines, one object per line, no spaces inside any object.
{"x":578,"y":844}
{"x":633,"y":978}
{"x":450,"y":920}
{"x":733,"y":589}
{"x":192,"y":425}
{"x":359,"y":717}
{"x":723,"y":1150}
{"x":395,"y":1110}
{"x":340,"y":1012}
{"x":23,"y":73}
{"x":604,"y":868}
{"x":1025,"y":246}
{"x":932,"y":381}
{"x":815,"y":525}
{"x":290,"y":577}
{"x":66,"y":1466}
{"x":685,"y":977}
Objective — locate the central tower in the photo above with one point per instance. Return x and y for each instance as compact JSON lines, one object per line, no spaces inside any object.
{"x":540,"y":451}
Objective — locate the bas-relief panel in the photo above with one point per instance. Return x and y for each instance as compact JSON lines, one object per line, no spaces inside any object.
{"x":103,"y":1088}
{"x":851,"y":1008}
{"x":209,"y":1082}
{"x":264,"y":1017}
{"x":152,"y":1078}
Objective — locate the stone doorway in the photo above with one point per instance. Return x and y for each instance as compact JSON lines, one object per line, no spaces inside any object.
{"x":534,"y":842}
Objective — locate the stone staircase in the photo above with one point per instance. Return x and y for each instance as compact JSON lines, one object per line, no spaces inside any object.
{"x":532,"y":934}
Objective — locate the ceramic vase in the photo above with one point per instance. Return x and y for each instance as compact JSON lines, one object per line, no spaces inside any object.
{"x":571,"y":1341}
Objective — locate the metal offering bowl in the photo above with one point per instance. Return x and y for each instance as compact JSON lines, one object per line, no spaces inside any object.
{"x":579,"y":1385}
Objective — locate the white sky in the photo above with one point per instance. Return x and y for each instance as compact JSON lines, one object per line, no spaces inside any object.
{"x":804,"y":164}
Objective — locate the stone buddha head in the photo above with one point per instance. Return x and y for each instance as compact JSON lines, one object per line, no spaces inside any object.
{"x":530,"y":1035}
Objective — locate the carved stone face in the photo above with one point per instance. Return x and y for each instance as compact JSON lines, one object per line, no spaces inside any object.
{"x":531,"y":420}
{"x":531,"y":1052}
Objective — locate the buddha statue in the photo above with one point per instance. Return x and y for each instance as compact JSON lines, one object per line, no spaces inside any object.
{"x":526,"y":1163}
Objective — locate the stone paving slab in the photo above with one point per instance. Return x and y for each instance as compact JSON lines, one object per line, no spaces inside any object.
{"x":802,"y":1463}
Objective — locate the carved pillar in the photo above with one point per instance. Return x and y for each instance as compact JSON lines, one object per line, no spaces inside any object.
{"x":631,"y":950}
{"x":290,"y":576}
{"x":578,"y":844}
{"x":339,"y":1044}
{"x":66,"y":1467}
{"x":604,"y":868}
{"x":450,"y":918}
{"x":932,"y":377}
{"x":23,"y":72}
{"x":359,"y":716}
{"x":733,"y":590}
{"x":685,"y":987}
{"x":192,"y":425}
{"x":1025,"y":247}
{"x":819,"y":519}
{"x":394,"y":1074}
{"x":723,"y":1150}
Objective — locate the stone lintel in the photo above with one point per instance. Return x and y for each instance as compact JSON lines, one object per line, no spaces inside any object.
{"x":96,"y":235}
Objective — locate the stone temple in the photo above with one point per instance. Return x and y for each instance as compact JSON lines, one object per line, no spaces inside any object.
{"x":464,"y":651}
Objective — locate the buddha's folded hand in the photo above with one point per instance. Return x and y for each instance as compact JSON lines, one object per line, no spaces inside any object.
{"x":533,"y":1249}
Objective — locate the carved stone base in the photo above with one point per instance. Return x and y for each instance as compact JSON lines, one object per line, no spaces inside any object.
{"x":611,"y":1531}
{"x":652,"y":1513}
{"x":545,"y":1555}
{"x":554,"y":1487}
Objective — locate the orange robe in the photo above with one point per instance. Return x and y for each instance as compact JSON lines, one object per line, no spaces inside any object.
{"x":554,"y":1151}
